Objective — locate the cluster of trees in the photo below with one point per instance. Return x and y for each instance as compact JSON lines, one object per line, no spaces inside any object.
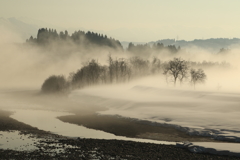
{"x":121,"y":70}
{"x":87,"y":39}
{"x":55,"y":84}
{"x":90,"y":74}
{"x":179,"y":69}
{"x":213,"y":44}
{"x":209,"y":64}
{"x":118,"y":70}
{"x":156,"y":47}
{"x":197,"y":76}
{"x":46,"y":36}
{"x":224,"y":51}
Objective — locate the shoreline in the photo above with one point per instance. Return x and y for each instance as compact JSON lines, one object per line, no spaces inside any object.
{"x":93,"y":148}
{"x":105,"y":149}
{"x":132,"y":128}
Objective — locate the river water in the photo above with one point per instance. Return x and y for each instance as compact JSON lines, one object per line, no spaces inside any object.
{"x":47,"y":120}
{"x":36,"y":115}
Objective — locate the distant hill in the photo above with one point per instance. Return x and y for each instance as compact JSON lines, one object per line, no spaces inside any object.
{"x":213,"y":44}
{"x":24,"y":30}
{"x":125,"y":43}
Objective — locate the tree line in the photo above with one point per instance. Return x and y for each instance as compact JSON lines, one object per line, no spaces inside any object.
{"x":120,"y":70}
{"x":87,"y":39}
{"x":142,"y":49}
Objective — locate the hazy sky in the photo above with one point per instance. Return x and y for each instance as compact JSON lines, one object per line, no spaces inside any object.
{"x":140,"y":20}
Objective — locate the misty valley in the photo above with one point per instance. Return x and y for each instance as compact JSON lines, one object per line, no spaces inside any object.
{"x":89,"y":96}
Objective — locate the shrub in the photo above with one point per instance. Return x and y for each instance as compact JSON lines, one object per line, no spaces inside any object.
{"x":55,"y":84}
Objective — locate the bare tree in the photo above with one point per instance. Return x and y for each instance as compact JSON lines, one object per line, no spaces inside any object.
{"x":184,"y":72}
{"x":156,"y":65}
{"x":104,"y":74}
{"x":197,"y":76}
{"x":111,"y":67}
{"x":90,"y":74}
{"x":123,"y":69}
{"x":177,"y":69}
{"x":139,"y":66}
{"x":119,"y":70}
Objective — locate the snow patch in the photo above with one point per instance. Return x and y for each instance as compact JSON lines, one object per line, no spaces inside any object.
{"x":227,"y":149}
{"x":212,"y":114}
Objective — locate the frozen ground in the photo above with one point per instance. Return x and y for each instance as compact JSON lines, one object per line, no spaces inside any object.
{"x":201,"y":113}
{"x":214,"y":114}
{"x":232,"y":149}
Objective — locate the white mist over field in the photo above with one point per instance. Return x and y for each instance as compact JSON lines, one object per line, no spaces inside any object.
{"x":23,"y":65}
{"x":214,"y":114}
{"x":212,"y":109}
{"x":196,"y":112}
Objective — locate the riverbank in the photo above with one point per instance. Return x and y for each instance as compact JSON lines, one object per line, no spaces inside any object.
{"x":50,"y":144}
{"x":113,"y":149}
{"x":133,"y":128}
{"x":86,"y":116}
{"x":90,"y":148}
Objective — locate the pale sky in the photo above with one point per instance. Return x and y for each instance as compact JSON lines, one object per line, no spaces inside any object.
{"x":140,"y":20}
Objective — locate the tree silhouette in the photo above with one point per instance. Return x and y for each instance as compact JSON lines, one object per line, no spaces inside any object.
{"x":184,"y":72}
{"x":111,"y":68}
{"x":156,"y":65}
{"x":87,"y":75}
{"x":197,"y":76}
{"x":45,"y":36}
{"x":139,"y":66}
{"x":147,"y":49}
{"x":176,"y":68}
{"x":54,"y":84}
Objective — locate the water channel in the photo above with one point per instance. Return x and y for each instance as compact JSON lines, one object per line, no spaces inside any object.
{"x":47,"y":120}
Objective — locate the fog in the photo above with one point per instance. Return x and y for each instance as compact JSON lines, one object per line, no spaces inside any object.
{"x":205,"y":111}
{"x":210,"y":109}
{"x":24,"y":65}
{"x":27,"y":66}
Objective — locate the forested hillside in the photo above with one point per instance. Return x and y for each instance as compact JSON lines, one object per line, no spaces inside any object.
{"x":87,"y":39}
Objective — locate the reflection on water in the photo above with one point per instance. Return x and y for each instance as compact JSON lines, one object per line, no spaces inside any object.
{"x":15,"y":141}
{"x":46,"y":120}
